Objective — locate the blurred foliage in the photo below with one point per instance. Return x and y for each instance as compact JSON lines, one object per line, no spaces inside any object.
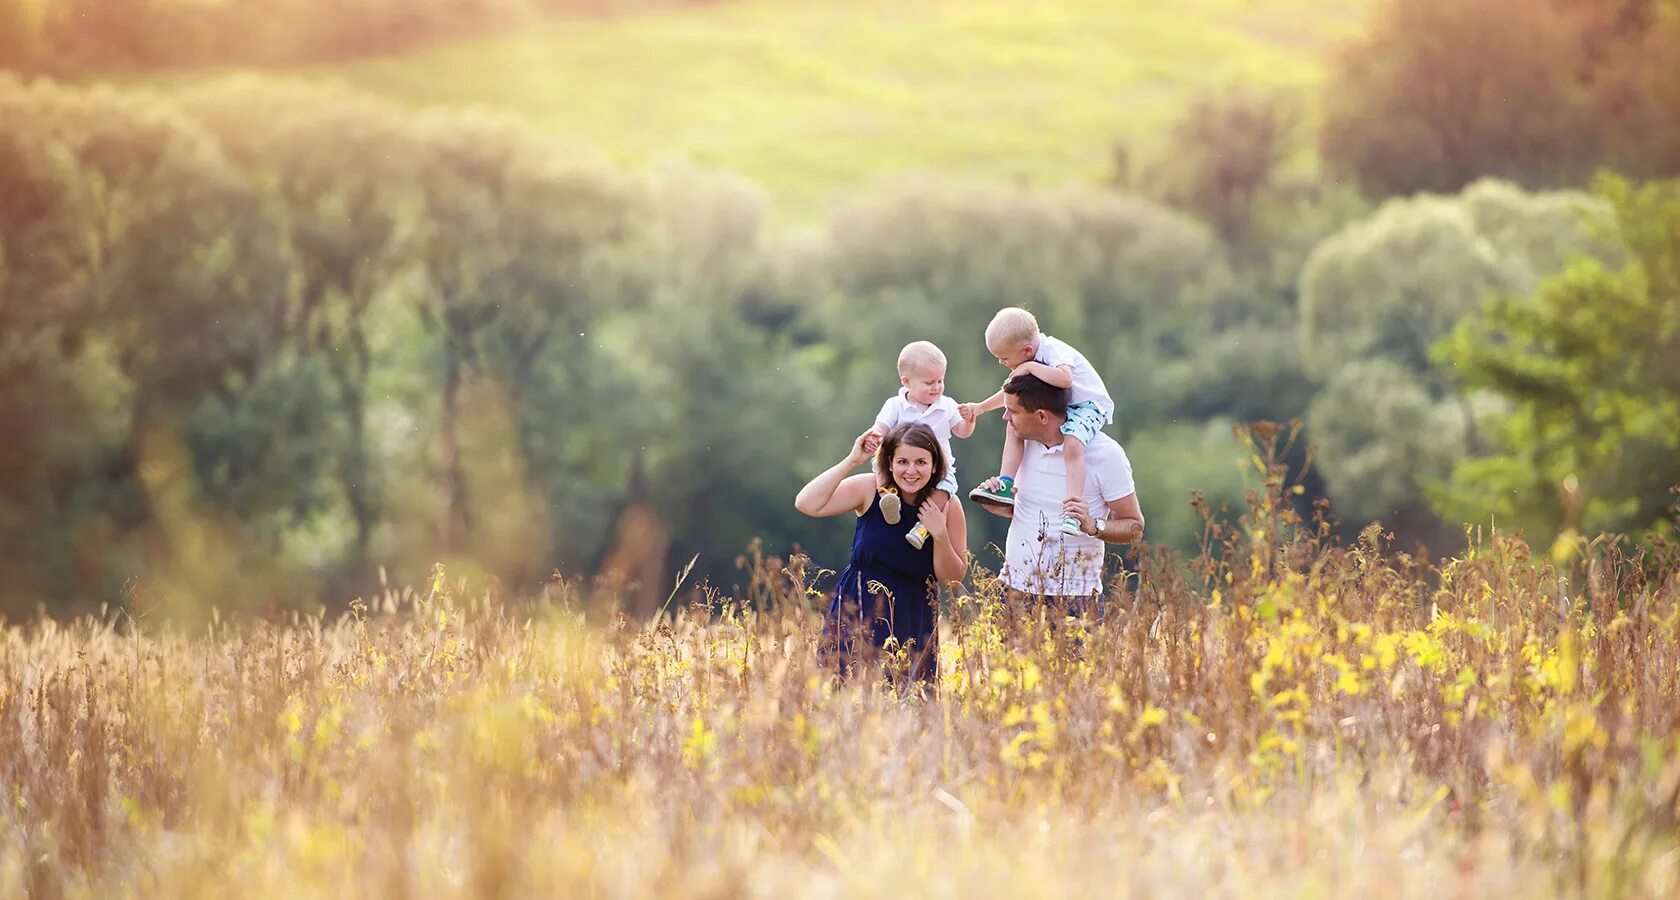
{"x":1589,"y":368}
{"x":261,"y":340}
{"x":1378,"y":293}
{"x":1438,"y":93}
{"x":75,"y":37}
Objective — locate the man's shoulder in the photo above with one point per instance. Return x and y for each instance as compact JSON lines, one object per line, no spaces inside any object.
{"x":1105,"y":448}
{"x":1030,"y":447}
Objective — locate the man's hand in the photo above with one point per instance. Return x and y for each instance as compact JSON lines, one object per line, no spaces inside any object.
{"x":1075,"y":507}
{"x":991,"y":484}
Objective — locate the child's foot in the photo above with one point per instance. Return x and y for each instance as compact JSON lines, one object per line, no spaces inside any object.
{"x":917,"y":536}
{"x":1003,"y":495}
{"x":1070,"y":525}
{"x":891,"y":507}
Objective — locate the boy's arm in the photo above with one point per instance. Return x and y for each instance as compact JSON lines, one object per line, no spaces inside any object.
{"x":995,"y":401}
{"x":1055,"y":376}
{"x":884,"y":421}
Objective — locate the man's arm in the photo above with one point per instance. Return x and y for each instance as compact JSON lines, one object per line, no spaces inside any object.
{"x":1125,"y":519}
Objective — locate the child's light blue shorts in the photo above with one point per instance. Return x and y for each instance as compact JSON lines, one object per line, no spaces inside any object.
{"x":948,"y":484}
{"x":1084,"y":420}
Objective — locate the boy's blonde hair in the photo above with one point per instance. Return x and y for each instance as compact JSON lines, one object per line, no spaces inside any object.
{"x":919,"y":356}
{"x":1012,"y":328}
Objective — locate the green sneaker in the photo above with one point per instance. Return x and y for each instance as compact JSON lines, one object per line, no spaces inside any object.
{"x":1003,"y":496}
{"x":1070,"y":525}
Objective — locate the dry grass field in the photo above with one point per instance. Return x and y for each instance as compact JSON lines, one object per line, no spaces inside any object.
{"x":1278,"y":718}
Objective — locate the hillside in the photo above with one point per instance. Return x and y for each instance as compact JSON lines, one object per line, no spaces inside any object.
{"x":814,"y":98}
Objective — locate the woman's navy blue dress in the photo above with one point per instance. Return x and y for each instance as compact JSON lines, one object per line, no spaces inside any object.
{"x":887,"y":590}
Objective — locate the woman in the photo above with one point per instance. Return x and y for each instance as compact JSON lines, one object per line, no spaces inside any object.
{"x":888,"y":588}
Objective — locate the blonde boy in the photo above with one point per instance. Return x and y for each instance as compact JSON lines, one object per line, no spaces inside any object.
{"x":921,"y":372}
{"x":1013,"y":337}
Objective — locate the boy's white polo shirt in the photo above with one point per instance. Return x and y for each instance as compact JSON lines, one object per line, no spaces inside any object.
{"x":1087,"y":384}
{"x":1038,"y":557}
{"x":941,"y":416}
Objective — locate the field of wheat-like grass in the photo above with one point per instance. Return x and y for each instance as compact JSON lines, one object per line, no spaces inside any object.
{"x":1279,"y":717}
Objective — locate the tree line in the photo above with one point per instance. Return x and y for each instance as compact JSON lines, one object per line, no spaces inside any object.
{"x":249,"y":358}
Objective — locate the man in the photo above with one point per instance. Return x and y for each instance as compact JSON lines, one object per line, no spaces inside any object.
{"x":1039,"y":560}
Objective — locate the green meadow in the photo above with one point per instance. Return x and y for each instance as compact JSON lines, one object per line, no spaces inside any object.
{"x":811,"y":99}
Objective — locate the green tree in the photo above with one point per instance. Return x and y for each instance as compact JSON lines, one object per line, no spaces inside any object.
{"x":1383,"y":290}
{"x":350,"y":224}
{"x":1590,"y":439}
{"x":139,"y":284}
{"x":1391,"y":284}
{"x":513,"y":229}
{"x":1381,"y":432}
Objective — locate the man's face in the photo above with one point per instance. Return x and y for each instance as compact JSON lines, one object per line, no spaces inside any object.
{"x":1032,"y":425}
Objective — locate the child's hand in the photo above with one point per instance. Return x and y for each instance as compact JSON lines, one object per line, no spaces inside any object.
{"x":865,"y":446}
{"x":968,"y":411}
{"x":1022,"y":369}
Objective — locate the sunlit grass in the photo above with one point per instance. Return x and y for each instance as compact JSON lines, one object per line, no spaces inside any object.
{"x":1278,"y":718}
{"x":813,"y":98}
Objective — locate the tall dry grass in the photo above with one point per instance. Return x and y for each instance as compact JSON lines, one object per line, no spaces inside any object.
{"x":1278,"y":717}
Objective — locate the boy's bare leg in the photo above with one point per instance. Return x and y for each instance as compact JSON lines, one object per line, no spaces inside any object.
{"x":1073,"y":454}
{"x":1013,"y":449}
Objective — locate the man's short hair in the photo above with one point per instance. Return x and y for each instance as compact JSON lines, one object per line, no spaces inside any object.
{"x":1034,"y":394}
{"x":1012,"y":328}
{"x":919,"y":356}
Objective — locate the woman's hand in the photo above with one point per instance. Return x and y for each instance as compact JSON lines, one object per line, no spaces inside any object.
{"x":865,"y":446}
{"x":933,"y":520}
{"x":832,"y":492}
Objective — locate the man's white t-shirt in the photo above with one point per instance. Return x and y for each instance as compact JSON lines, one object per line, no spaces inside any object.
{"x":1039,"y":558}
{"x":1087,"y":384}
{"x":941,"y":416}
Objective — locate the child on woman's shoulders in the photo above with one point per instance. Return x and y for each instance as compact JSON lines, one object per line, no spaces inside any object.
{"x":921,"y":372}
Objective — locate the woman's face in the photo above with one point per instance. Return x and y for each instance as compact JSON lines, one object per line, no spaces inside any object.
{"x":911,"y":468}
